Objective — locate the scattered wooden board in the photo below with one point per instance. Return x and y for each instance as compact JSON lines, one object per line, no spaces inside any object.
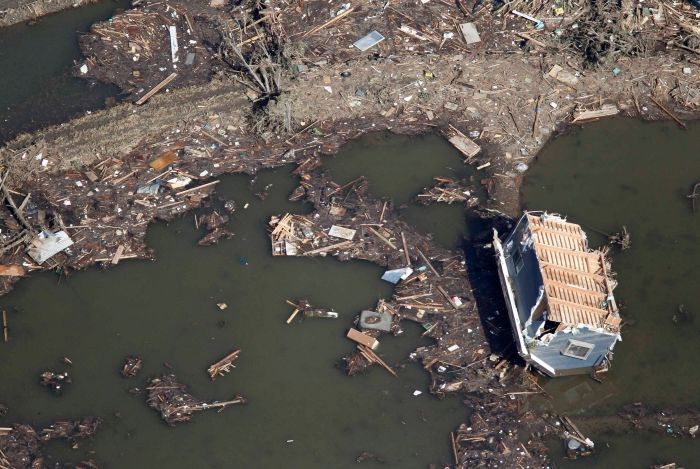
{"x":362,"y":339}
{"x":465,"y":145}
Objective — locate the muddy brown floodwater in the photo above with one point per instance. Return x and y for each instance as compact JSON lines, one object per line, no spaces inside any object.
{"x":301,"y":411}
{"x":625,"y":172}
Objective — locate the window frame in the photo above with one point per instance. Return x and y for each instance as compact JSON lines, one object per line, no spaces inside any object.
{"x":579,"y":344}
{"x":519,"y":262}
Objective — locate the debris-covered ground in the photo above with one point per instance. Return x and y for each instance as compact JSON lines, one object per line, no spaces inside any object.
{"x":221,"y":88}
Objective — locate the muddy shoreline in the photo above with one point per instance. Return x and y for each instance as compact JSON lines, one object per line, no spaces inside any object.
{"x":259,"y":86}
{"x":20,"y":11}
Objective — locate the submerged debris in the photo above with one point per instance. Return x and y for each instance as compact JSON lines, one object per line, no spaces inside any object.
{"x":308,"y":311}
{"x":694,"y":194}
{"x":21,"y":444}
{"x":448,"y":190}
{"x":169,"y":397}
{"x":622,"y":239}
{"x":214,"y":223}
{"x":55,"y":381}
{"x":71,"y":429}
{"x":131,"y":367}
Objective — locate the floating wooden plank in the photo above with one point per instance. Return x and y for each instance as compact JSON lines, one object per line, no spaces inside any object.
{"x":369,"y":354}
{"x":465,"y":145}
{"x":12,"y":270}
{"x":164,"y":160}
{"x":156,"y":89}
{"x":5,"y":329}
{"x":606,"y":110}
{"x":224,"y":365}
{"x":362,"y":339}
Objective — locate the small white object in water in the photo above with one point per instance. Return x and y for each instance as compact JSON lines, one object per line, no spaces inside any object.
{"x":417,"y":392}
{"x":83,"y":69}
{"x":246,"y":205}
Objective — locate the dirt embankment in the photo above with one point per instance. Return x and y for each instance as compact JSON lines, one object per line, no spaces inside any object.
{"x":18,"y":11}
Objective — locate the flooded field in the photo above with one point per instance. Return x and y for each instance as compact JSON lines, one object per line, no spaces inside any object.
{"x":165,"y":311}
{"x":624,"y":172}
{"x":36,"y":82}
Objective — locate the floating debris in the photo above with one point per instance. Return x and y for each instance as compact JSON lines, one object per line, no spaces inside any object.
{"x":175,"y":405}
{"x":131,"y":367}
{"x":55,"y":382}
{"x":223,"y":366}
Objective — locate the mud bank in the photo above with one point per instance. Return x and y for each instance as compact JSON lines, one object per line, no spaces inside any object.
{"x":18,"y":11}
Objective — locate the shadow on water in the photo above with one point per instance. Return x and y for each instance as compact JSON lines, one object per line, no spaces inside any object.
{"x":624,"y":172}
{"x":36,"y":82}
{"x":302,"y":411}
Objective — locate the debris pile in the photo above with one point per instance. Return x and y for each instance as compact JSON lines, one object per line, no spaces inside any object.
{"x":132,"y":366}
{"x":21,"y":444}
{"x":493,"y":438}
{"x":171,"y":399}
{"x":139,"y":48}
{"x":71,"y":429}
{"x":431,"y":283}
{"x":214,"y":224}
{"x":447,"y":191}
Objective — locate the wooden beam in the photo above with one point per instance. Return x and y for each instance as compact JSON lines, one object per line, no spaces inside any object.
{"x":382,"y":237}
{"x":156,"y":88}
{"x":425,"y":259}
{"x":5,"y":330}
{"x":669,"y":113}
{"x":405,"y":250}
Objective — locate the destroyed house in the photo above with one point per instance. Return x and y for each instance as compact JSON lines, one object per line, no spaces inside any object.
{"x":559,"y":296}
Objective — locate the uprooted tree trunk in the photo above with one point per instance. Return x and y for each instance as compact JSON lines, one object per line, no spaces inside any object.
{"x":261,"y":64}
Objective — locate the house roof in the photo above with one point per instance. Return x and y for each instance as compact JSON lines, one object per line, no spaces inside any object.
{"x":575,"y":279}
